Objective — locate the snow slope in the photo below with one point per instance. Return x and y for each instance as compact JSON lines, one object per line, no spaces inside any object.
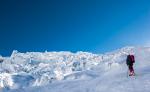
{"x":75,"y":72}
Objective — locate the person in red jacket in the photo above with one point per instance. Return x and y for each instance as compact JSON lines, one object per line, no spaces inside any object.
{"x":129,"y":61}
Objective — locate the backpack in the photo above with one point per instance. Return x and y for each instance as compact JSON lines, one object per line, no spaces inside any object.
{"x":130,"y":60}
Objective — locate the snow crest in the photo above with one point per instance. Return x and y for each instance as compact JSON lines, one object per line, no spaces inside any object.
{"x":42,"y":71}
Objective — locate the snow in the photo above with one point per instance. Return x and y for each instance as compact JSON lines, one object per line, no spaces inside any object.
{"x":5,"y":80}
{"x":75,"y":72}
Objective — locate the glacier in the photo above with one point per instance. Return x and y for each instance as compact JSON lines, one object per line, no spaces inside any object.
{"x":65,"y":71}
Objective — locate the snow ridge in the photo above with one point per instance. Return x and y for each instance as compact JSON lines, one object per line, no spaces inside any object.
{"x":35,"y":69}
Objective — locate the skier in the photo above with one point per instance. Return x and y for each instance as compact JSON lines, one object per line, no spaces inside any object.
{"x":129,"y":61}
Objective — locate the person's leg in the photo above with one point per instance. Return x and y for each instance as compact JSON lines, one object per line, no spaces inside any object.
{"x":131,"y":70}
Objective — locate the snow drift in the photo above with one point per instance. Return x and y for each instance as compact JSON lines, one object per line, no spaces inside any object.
{"x":75,"y":72}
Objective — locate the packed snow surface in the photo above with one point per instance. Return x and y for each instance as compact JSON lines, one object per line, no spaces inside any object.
{"x":75,"y":72}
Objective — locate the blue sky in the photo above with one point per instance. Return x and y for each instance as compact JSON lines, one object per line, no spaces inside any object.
{"x":96,"y":26}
